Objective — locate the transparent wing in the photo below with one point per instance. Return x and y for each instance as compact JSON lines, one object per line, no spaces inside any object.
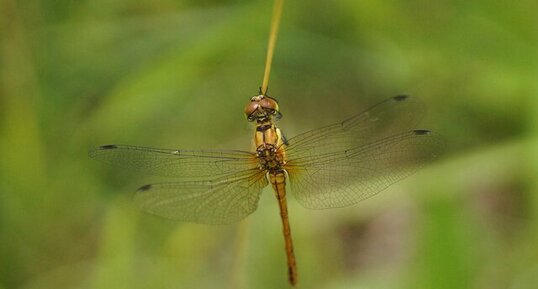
{"x":201,"y":164}
{"x":342,"y":164}
{"x":394,"y":115}
{"x":219,"y":201}
{"x":341,"y":179}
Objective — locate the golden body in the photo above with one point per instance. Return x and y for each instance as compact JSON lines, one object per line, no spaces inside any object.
{"x":334,"y":166}
{"x":270,"y":148}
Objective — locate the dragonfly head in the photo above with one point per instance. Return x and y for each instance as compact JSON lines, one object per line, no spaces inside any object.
{"x":261,"y":108}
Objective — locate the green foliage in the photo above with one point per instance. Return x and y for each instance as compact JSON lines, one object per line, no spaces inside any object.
{"x":172,"y":73}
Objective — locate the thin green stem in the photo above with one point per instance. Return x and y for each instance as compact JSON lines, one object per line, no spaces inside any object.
{"x":275,"y":24}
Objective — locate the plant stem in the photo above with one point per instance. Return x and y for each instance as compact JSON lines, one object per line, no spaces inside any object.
{"x":275,"y":23}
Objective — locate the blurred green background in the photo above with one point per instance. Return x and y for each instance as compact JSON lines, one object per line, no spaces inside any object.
{"x":177,"y":74}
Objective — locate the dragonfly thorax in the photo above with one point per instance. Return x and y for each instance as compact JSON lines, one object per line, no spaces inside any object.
{"x":269,"y":157}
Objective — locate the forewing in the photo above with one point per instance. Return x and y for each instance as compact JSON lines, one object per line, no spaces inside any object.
{"x":219,"y":201}
{"x":201,"y":164}
{"x":345,"y":177}
{"x":389,"y":117}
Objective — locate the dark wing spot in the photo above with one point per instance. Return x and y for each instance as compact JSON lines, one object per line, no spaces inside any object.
{"x":144,"y":188}
{"x":421,"y":132}
{"x":400,"y":97}
{"x":108,"y":147}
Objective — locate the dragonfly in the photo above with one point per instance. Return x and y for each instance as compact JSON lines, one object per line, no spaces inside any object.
{"x":334,"y":166}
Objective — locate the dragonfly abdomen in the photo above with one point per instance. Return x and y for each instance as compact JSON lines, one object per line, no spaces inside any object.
{"x":278,"y":182}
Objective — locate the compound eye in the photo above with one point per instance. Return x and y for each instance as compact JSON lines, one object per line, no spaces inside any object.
{"x":269,"y":104}
{"x":250,"y":110}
